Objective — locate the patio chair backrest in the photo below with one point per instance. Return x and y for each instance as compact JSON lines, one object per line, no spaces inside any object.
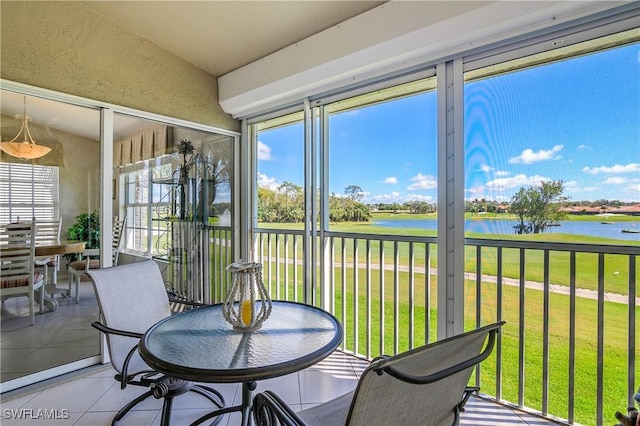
{"x":440,"y":372}
{"x":18,"y":248}
{"x":17,"y":271}
{"x":116,"y":240}
{"x":131,"y":297}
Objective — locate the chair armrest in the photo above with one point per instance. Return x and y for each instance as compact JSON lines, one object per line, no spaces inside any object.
{"x":175,"y":299}
{"x":108,"y":330}
{"x":421,"y":380}
{"x":270,"y":410}
{"x":42,"y":261}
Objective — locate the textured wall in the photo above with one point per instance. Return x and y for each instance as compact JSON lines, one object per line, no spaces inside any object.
{"x":64,"y":47}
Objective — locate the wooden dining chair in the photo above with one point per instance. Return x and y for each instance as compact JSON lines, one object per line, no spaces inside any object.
{"x":48,"y":231}
{"x":132,"y":298}
{"x":426,"y":386}
{"x":17,"y":267}
{"x":89,"y":258}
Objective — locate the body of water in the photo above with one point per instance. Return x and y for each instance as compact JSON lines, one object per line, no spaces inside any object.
{"x":489,"y":226}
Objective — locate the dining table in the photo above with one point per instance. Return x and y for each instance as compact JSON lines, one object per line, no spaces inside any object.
{"x":45,"y":249}
{"x":52,"y":248}
{"x":200,"y":345}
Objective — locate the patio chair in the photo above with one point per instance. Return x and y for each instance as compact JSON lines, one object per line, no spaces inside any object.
{"x":425,"y":386}
{"x":17,"y":270}
{"x":48,"y":231}
{"x":89,"y":258}
{"x":132,"y":298}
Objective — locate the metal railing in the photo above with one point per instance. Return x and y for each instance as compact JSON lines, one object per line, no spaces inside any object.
{"x":571,"y":310}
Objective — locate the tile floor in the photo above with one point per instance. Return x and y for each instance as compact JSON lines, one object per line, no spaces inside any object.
{"x":92,"y":396}
{"x":59,"y":337}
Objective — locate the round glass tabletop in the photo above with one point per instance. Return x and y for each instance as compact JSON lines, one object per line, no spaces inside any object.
{"x":201,"y":345}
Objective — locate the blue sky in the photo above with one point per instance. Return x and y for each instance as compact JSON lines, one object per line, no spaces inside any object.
{"x":576,"y":120}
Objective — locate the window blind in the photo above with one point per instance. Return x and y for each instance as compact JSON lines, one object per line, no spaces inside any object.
{"x":28,"y":191}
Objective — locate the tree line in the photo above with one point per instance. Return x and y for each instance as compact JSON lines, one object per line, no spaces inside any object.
{"x":537,"y":206}
{"x":285,"y":204}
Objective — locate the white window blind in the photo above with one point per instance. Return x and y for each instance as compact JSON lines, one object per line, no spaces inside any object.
{"x":28,"y":191}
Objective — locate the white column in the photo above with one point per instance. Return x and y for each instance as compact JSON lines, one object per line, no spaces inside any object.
{"x":450,"y":198}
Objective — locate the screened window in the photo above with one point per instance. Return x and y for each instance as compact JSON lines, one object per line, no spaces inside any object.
{"x":280,"y":177}
{"x":382,"y":158}
{"x":562,"y":124}
{"x":28,"y":191}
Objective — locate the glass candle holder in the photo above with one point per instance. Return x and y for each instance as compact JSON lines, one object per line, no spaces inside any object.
{"x":247,"y":304}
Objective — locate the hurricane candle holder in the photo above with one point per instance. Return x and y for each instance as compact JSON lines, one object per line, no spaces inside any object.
{"x":247,"y":304}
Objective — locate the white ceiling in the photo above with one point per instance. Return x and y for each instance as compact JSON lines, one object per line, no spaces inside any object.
{"x":221,"y":36}
{"x":216,"y":36}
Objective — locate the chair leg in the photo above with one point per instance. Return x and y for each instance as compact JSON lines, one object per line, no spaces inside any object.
{"x":78,"y":279}
{"x":209,"y":393}
{"x":124,"y":410}
{"x":72,"y":275}
{"x":166,"y":411}
{"x":41,"y":298}
{"x":32,"y":307}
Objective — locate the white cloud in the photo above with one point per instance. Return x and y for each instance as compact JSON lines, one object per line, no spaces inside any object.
{"x":264,"y":151}
{"x":422,"y":182}
{"x":391,"y":179}
{"x":582,"y":147}
{"x":615,"y":180}
{"x":516,"y":181}
{"x":502,"y":173}
{"x":486,"y":168}
{"x":635,"y":187}
{"x":528,"y":156}
{"x":476,"y":191}
{"x":629,"y":168}
{"x":265,"y":181}
{"x":394,"y":196}
{"x":571,"y":184}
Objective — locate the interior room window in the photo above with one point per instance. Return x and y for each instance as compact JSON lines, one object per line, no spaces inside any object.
{"x":28,"y":191}
{"x":142,"y":202}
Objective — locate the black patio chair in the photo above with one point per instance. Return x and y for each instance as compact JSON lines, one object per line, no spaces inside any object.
{"x":424,"y":386}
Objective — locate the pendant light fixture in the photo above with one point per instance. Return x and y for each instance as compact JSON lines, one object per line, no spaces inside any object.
{"x":27,"y":149}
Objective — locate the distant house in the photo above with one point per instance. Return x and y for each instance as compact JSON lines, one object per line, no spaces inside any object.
{"x":632,"y":210}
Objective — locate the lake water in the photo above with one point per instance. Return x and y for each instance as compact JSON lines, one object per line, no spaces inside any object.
{"x":488,"y":226}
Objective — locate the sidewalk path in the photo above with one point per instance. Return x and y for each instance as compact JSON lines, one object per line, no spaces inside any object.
{"x":553,"y":288}
{"x":514,"y":282}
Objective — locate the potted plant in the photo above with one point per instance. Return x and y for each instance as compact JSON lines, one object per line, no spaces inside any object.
{"x":86,"y":228}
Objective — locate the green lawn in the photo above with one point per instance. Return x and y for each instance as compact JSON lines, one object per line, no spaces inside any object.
{"x":393,"y":302}
{"x":615,"y":338}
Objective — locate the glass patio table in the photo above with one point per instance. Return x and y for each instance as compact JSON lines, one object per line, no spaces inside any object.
{"x":200,"y":345}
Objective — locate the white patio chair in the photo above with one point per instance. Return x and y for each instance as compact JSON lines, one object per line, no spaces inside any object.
{"x":48,"y":231}
{"x":132,"y":298}
{"x":425,"y":386}
{"x":17,"y":270}
{"x":89,"y":259}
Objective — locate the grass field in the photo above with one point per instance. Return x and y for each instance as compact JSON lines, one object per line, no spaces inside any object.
{"x":382,"y":338}
{"x":397,"y":311}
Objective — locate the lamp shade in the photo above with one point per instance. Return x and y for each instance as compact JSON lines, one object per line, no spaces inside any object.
{"x":27,"y":149}
{"x":24,"y":150}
